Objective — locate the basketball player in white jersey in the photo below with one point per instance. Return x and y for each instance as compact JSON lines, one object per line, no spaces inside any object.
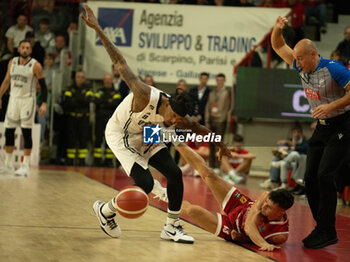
{"x":145,"y":106}
{"x":22,"y":73}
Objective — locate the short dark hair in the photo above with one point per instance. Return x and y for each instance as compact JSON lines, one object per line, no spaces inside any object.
{"x":238,"y":138}
{"x":29,"y":34}
{"x":282,"y":197}
{"x":24,"y":41}
{"x":204,"y":74}
{"x":182,"y":104}
{"x":221,"y":75}
{"x":297,"y":126}
{"x":22,"y":14}
{"x":44,"y":21}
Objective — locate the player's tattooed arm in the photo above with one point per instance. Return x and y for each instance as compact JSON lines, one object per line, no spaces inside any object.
{"x":141,"y":90}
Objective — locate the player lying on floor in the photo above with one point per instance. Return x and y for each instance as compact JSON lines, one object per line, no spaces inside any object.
{"x":264,"y":221}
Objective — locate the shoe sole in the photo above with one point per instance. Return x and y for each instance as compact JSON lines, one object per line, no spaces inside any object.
{"x":178,"y":241}
{"x":327,"y":243}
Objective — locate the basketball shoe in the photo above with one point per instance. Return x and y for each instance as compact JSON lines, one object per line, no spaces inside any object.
{"x":159,"y":191}
{"x":175,"y":233}
{"x":107,"y":224}
{"x":22,"y":171}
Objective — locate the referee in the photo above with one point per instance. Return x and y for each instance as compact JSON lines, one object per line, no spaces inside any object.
{"x":326,"y":83}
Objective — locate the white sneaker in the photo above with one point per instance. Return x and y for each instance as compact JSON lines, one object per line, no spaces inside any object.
{"x":187,"y":170}
{"x":196,"y":173}
{"x":268,"y":184}
{"x":176,"y":233}
{"x":228,"y":179}
{"x":7,"y":170}
{"x":159,"y":191}
{"x":282,"y":186}
{"x":276,"y":164}
{"x":108,"y":224}
{"x":22,"y":171}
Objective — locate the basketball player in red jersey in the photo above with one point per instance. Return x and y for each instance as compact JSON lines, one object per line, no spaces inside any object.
{"x":264,"y":221}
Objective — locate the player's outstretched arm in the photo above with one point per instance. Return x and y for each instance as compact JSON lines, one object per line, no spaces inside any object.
{"x":141,"y":90}
{"x":196,"y":128}
{"x":278,"y":43}
{"x":6,"y":83}
{"x":251,"y":223}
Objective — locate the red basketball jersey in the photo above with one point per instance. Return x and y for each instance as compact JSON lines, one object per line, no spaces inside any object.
{"x":236,"y":208}
{"x":237,"y":161}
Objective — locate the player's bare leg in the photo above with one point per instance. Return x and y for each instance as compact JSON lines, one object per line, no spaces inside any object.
{"x":203,"y":217}
{"x":217,"y":185}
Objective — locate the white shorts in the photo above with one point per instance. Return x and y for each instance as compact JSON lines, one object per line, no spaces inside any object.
{"x":129,"y":148}
{"x":20,"y":112}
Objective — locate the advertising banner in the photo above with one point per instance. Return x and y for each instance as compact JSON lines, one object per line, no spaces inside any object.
{"x":172,"y":42}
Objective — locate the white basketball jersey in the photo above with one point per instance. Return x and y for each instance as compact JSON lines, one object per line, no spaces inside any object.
{"x":131,"y":122}
{"x":22,"y":78}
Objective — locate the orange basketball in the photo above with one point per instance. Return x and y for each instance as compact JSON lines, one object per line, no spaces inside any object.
{"x":132,"y":202}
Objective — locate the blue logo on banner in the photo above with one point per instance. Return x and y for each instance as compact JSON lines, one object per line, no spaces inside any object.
{"x":116,"y":24}
{"x":151,"y":134}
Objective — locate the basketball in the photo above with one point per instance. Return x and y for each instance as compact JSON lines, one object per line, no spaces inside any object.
{"x":131,"y":202}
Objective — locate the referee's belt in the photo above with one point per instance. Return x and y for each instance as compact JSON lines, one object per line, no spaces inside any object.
{"x":334,"y":120}
{"x":78,"y":114}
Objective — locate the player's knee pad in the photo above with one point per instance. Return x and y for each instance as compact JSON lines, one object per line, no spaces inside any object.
{"x":10,"y":136}
{"x":142,"y":178}
{"x":27,"y":135}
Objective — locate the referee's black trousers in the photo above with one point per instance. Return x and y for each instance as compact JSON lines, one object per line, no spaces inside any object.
{"x":327,"y":148}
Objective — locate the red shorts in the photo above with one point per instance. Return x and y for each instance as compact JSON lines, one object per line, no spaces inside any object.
{"x":235,"y":205}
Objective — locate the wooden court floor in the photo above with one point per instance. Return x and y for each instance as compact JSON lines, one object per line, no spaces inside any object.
{"x":48,"y":217}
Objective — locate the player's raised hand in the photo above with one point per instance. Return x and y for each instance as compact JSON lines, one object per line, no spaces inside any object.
{"x":281,"y":22}
{"x":89,"y":18}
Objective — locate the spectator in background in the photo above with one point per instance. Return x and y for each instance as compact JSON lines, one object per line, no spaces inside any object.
{"x":317,"y":9}
{"x":45,"y":36}
{"x":181,"y":87}
{"x":335,"y":55}
{"x":3,"y":26}
{"x":60,"y":45}
{"x":38,"y":52}
{"x":237,"y":168}
{"x":202,"y":149}
{"x":106,"y":99}
{"x":76,"y":106}
{"x":17,"y":33}
{"x":268,"y":3}
{"x":344,"y":47}
{"x":149,"y":80}
{"x":243,"y":3}
{"x":200,"y":95}
{"x":48,"y":73}
{"x":73,"y":26}
{"x":298,"y":20}
{"x":119,"y":84}
{"x":296,"y":145}
{"x":216,"y":114}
